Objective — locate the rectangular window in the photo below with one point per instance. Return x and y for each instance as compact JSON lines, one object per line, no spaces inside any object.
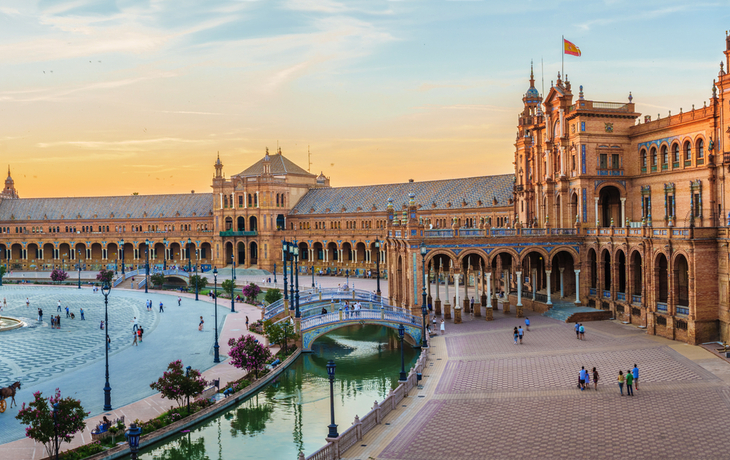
{"x":203,"y":254}
{"x":698,"y":210}
{"x":583,"y":157}
{"x":604,"y":161}
{"x":582,"y":125}
{"x":670,"y":205}
{"x":615,"y":161}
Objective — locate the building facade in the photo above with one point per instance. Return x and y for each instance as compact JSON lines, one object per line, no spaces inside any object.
{"x":606,"y":208}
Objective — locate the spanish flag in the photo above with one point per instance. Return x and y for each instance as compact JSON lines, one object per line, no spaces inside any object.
{"x":570,"y":48}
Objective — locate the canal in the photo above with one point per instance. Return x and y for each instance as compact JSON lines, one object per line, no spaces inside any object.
{"x":292,"y":413}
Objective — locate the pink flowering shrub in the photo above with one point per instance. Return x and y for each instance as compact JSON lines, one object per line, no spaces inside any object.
{"x":38,"y":416}
{"x":246,"y":352}
{"x":176,"y":386}
{"x":250,"y":292}
{"x":58,"y":275}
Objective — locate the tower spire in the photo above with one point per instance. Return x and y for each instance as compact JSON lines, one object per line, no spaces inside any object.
{"x":532,"y":76}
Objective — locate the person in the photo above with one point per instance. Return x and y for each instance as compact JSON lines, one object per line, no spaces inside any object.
{"x":59,"y":306}
{"x":108,"y":342}
{"x":527,"y":323}
{"x":200,"y":325}
{"x":161,"y":309}
{"x":40,"y":314}
{"x":27,"y":302}
{"x":136,"y":325}
{"x":5,"y":302}
{"x":140,"y":331}
{"x":635,"y":373}
{"x":134,"y":338}
{"x":132,"y":283}
{"x":53,"y":322}
{"x":582,"y":332}
{"x":521,"y":333}
{"x":81,"y":310}
{"x":595,"y":379}
{"x":443,"y":327}
{"x":179,"y":299}
{"x":58,"y":321}
{"x":247,"y":321}
{"x":101,"y":326}
{"x":324,"y":311}
{"x":629,"y":383}
{"x":577,"y":331}
{"x":515,"y":334}
{"x":67,"y":312}
{"x":471,"y":304}
{"x":621,"y":380}
{"x":582,"y":378}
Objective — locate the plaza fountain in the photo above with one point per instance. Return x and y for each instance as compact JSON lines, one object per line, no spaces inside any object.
{"x":7,"y":323}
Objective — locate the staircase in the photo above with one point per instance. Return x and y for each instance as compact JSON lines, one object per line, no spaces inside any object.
{"x":568,"y":312}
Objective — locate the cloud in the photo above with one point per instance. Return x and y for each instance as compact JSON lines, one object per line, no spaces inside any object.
{"x":128,"y":145}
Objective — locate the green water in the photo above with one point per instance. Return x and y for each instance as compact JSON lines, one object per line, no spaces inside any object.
{"x":293,"y":413}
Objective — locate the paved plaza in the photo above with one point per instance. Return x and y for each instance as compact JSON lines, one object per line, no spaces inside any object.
{"x":486,"y":398}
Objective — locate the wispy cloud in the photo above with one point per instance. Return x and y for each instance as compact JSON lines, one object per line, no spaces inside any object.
{"x":128,"y":145}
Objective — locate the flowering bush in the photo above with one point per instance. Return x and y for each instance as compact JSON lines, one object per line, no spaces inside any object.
{"x":58,"y":275}
{"x":41,"y":427}
{"x":176,"y":386}
{"x":250,"y":292}
{"x":246,"y":352}
{"x":105,"y":276}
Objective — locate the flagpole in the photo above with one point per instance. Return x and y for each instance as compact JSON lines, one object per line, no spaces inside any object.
{"x":562,"y":57}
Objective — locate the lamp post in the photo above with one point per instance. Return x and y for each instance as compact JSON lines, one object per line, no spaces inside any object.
{"x":347,"y":277}
{"x":147,"y":265}
{"x":291,"y":275}
{"x":133,"y":434}
{"x":298,"y":314}
{"x":189,"y":257}
{"x":313,"y":285}
{"x":274,"y":273}
{"x":79,"y":253}
{"x":216,"y":357}
{"x":284,"y":250}
{"x":424,"y":306}
{"x":122,"y":243}
{"x":377,"y":266}
{"x":401,"y":334}
{"x":233,"y":280}
{"x":164,"y":254}
{"x":331,"y":373}
{"x":197,"y":258}
{"x":106,"y":287}
{"x":55,"y":429}
{"x":187,"y":375}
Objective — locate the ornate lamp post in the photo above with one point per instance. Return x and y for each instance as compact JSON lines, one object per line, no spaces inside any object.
{"x":106,"y":287}
{"x":197,"y":258}
{"x":284,"y":251}
{"x":233,"y":279}
{"x":216,"y":357}
{"x":377,"y":265}
{"x":347,"y":277}
{"x":133,"y":434}
{"x":313,"y":285}
{"x":291,"y":275}
{"x":79,"y":260}
{"x":331,"y":373}
{"x":274,"y":273}
{"x":424,"y":306}
{"x":147,"y":265}
{"x":401,"y":334}
{"x":122,"y":243}
{"x":296,"y":271}
{"x":164,"y":254}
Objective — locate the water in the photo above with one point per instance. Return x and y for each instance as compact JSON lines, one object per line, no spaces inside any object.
{"x":293,"y":413}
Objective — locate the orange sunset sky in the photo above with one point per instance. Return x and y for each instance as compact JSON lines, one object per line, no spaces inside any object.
{"x":111,"y":98}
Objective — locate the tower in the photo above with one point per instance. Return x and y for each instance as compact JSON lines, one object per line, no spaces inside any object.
{"x":218,"y":167}
{"x":9,"y":192}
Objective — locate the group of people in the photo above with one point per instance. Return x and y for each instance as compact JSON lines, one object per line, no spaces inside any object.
{"x":148,"y":304}
{"x":580,"y":331}
{"x":630,"y":379}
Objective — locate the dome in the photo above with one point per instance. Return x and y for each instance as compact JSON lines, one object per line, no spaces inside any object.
{"x":532,"y":93}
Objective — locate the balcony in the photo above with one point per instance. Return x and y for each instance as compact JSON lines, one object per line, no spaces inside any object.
{"x":606,"y":294}
{"x":661,"y":307}
{"x":234,"y":233}
{"x":636,"y":299}
{"x":682,"y":310}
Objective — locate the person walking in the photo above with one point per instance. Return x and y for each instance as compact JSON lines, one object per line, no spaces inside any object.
{"x":621,"y":380}
{"x":140,"y":331}
{"x":136,"y":325}
{"x":629,"y":383}
{"x":515,"y":334}
{"x":635,"y":373}
{"x":582,"y":331}
{"x":68,"y":313}
{"x":582,"y":378}
{"x":40,"y":314}
{"x":53,"y":322}
{"x":595,"y":379}
{"x":58,"y":321}
{"x":247,"y":320}
{"x":577,"y":331}
{"x":443,"y":327}
{"x":161,"y":309}
{"x":527,"y":323}
{"x":179,"y":299}
{"x":521,"y":333}
{"x":108,"y":342}
{"x":134,"y":338}
{"x":27,"y":302}
{"x":200,"y":325}
{"x":58,"y":309}
{"x":81,"y":311}
{"x":101,"y":326}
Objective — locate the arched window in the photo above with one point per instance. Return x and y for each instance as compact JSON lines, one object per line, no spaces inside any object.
{"x":687,"y":152}
{"x":675,"y":153}
{"x":653,"y":158}
{"x":665,"y":157}
{"x":643,"y":159}
{"x":700,"y":151}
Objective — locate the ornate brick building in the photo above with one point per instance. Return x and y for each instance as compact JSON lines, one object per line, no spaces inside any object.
{"x":605,"y":208}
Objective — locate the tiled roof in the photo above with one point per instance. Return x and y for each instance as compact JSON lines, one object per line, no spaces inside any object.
{"x":279,"y":165}
{"x":435,"y":195}
{"x":102,"y":207}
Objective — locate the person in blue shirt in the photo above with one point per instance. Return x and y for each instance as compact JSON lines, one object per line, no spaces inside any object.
{"x":527,"y":323}
{"x":582,"y":378}
{"x":635,"y":373}
{"x":577,"y":331}
{"x":582,"y":331}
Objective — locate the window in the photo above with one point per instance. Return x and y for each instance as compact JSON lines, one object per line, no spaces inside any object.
{"x":643,"y":160}
{"x":615,"y":162}
{"x":653,"y":159}
{"x":697,"y":210}
{"x":675,"y":154}
{"x":582,"y":125}
{"x":687,"y":153}
{"x":603,"y":161}
{"x":665,"y":157}
{"x":240,"y":201}
{"x":700,"y":151}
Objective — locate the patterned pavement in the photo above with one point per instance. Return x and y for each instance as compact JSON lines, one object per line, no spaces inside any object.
{"x":497,"y":400}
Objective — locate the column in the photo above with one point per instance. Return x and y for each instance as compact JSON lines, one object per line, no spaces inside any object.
{"x":549,"y":299}
{"x":623,"y":212}
{"x":437,"y":302}
{"x":534,"y":284}
{"x":519,"y":289}
{"x":489,"y":316}
{"x":466,"y":303}
{"x":457,"y":308}
{"x":577,"y":286}
{"x":447,"y":304}
{"x":562,"y":292}
{"x":597,"y":220}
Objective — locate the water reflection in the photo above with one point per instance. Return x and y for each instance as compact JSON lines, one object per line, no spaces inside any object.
{"x":292,"y":413}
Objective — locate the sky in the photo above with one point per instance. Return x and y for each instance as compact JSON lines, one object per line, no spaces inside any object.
{"x":117,"y":97}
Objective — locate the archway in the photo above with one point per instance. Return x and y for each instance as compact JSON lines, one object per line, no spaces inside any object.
{"x":573,"y":209}
{"x":48,"y":252}
{"x":280,"y":222}
{"x":241,"y":246}
{"x":303,"y":251}
{"x":662,"y":280}
{"x":228,"y":253}
{"x":80,"y":251}
{"x":253,"y":252}
{"x":346,"y":252}
{"x":175,"y":254}
{"x":360,"y":253}
{"x":637,"y":274}
{"x":206,"y":253}
{"x":318,"y":251}
{"x":241,"y":223}
{"x":253,"y":224}
{"x":593,"y":267}
{"x":610,"y":206}
{"x":534,"y":278}
{"x":228,"y":224}
{"x":606,"y":267}
{"x":332,"y":252}
{"x":33,"y":252}
{"x":112,"y":252}
{"x":159,"y":254}
{"x":502,"y":273}
{"x":563,"y":274}
{"x":681,"y":282}
{"x":621,"y":258}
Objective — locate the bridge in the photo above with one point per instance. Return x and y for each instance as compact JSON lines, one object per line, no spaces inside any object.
{"x":172,"y":273}
{"x":374,"y":310}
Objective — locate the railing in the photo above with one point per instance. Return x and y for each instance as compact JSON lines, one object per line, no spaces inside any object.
{"x":621,"y":296}
{"x":389,"y":313}
{"x":336,"y":448}
{"x":606,"y":294}
{"x":636,"y":299}
{"x":502,"y":232}
{"x":235,"y":233}
{"x":661,"y":306}
{"x":534,"y":231}
{"x":438,"y":233}
{"x":563,"y":231}
{"x":311,"y":299}
{"x":683,"y":310}
{"x":593,"y":292}
{"x":471,"y":232}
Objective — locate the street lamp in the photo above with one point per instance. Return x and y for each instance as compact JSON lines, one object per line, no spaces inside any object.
{"x":147,"y":265}
{"x":197,"y":258}
{"x":106,"y":287}
{"x":189,"y":257}
{"x":216,"y":357}
{"x":274,"y":273}
{"x":401,"y":334}
{"x":298,"y":314}
{"x":79,"y":253}
{"x":377,"y":265}
{"x":133,"y":434}
{"x":284,"y":250}
{"x":164,"y":254}
{"x":122,"y":243}
{"x":347,"y":277}
{"x":291,"y":275}
{"x":55,"y":429}
{"x":331,"y":373}
{"x":424,"y":306}
{"x":233,"y":280}
{"x":187,"y":375}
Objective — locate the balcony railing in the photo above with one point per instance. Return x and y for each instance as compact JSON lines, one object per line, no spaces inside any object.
{"x":636,"y":299}
{"x":682,"y":310}
{"x":621,"y":296}
{"x":661,"y":306}
{"x":606,"y":294}
{"x":235,"y":233}
{"x":593,"y":292}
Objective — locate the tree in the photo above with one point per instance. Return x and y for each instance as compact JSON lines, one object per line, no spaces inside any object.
{"x":157,"y":279}
{"x":272,"y":295}
{"x":105,"y":276}
{"x":176,"y":386}
{"x":202,"y":282}
{"x":246,"y":352}
{"x":58,"y":275}
{"x":38,"y":416}
{"x":280,"y":332}
{"x":228,"y":286}
{"x":250,"y":292}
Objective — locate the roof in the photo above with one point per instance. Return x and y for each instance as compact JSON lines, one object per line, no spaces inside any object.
{"x":105,"y":207}
{"x":279,"y":165}
{"x":476,"y":192}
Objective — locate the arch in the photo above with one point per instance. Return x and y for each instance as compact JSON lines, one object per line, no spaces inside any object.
{"x":653,"y":156}
{"x":532,"y":265}
{"x":48,"y":252}
{"x":241,"y":224}
{"x":567,"y":249}
{"x":128,"y":252}
{"x":159,"y":251}
{"x":112,"y":251}
{"x":228,"y":251}
{"x":700,"y":150}
{"x":303,"y":251}
{"x":332,"y":252}
{"x":16,"y":251}
{"x":661,"y":278}
{"x":643,"y":159}
{"x":680,"y":280}
{"x":347,"y":252}
{"x":563,"y":263}
{"x":441,"y":255}
{"x":206,"y":252}
{"x":253,"y":252}
{"x":241,"y":253}
{"x":175,"y":252}
{"x":664,"y":158}
{"x":609,"y":206}
{"x":318,"y":251}
{"x":64,"y":251}
{"x":606,"y":266}
{"x":687,"y":150}
{"x":280,"y":222}
{"x":525,"y":254}
{"x":636,"y":272}
{"x":361,"y":251}
{"x":620,"y":257}
{"x":80,"y":251}
{"x":253,"y":224}
{"x":96,"y":251}
{"x":228,"y":224}
{"x":573,"y":206}
{"x":312,"y":335}
{"x":593,"y":267}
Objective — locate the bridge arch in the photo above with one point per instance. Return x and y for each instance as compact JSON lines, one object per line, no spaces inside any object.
{"x":310,"y":335}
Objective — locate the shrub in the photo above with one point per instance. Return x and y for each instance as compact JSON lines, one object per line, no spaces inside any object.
{"x":272,"y":295}
{"x":58,"y":275}
{"x":157,"y":279}
{"x":202,"y":282}
{"x":175,"y":385}
{"x":250,"y":292}
{"x":246,"y":352}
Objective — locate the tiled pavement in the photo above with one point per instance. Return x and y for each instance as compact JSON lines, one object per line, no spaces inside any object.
{"x":495,"y":400}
